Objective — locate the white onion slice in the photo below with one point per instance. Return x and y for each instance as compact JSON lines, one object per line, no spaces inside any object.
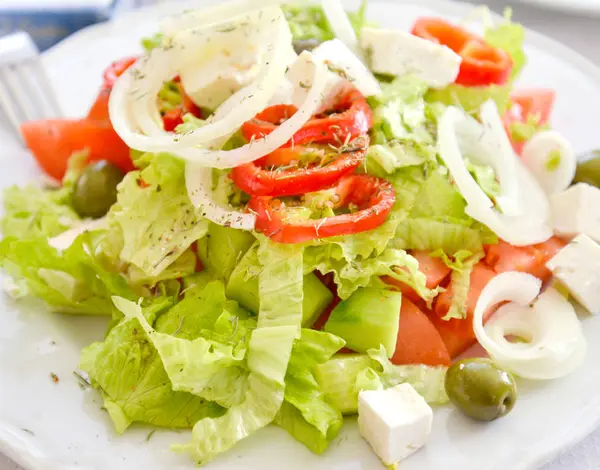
{"x":198,"y":181}
{"x":459,"y":134}
{"x":315,"y":80}
{"x":211,"y":15}
{"x":340,"y":24}
{"x":337,"y":55}
{"x":66,"y":239}
{"x":555,"y":343}
{"x":133,"y":103}
{"x":554,"y":172}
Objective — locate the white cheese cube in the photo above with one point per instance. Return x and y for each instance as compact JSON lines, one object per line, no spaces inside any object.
{"x":577,"y":210}
{"x":396,"y":422}
{"x":395,"y":52}
{"x":577,"y":267}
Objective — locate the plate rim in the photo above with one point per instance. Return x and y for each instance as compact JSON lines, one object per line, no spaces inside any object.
{"x":30,"y":458}
{"x":569,"y":6}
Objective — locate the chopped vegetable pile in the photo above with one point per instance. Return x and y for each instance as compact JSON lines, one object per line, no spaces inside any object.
{"x":289,"y":215}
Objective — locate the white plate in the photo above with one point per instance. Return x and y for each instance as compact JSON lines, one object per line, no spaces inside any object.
{"x":47,"y":426}
{"x":573,"y":6}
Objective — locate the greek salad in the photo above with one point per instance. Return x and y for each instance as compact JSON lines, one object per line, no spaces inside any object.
{"x":289,"y":215}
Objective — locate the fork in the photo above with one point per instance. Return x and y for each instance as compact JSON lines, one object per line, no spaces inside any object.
{"x":25,"y":90}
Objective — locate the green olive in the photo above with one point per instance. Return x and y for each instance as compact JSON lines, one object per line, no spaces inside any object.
{"x":589,"y":170}
{"x":481,"y":389}
{"x":96,"y":189}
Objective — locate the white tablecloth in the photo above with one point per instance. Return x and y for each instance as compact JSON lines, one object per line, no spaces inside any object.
{"x":582,"y":34}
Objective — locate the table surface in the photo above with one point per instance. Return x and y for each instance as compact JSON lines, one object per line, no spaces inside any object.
{"x":583,"y":35}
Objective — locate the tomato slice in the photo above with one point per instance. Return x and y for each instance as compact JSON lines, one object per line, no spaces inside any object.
{"x":481,"y":65}
{"x":54,"y":141}
{"x":528,"y":103}
{"x":257,"y":180}
{"x":373,"y":196}
{"x":348,"y":117}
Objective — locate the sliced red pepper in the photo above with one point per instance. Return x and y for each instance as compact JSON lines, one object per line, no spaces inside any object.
{"x":373,"y":196}
{"x":481,"y":64}
{"x":257,"y":179}
{"x":99,"y":110}
{"x":172,"y":118}
{"x":348,"y":117}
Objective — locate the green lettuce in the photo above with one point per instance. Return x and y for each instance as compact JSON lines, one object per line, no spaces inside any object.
{"x":344,"y":376}
{"x":462,"y":264}
{"x":437,"y":218}
{"x":154,"y":215}
{"x":135,"y":387}
{"x":268,"y":355}
{"x":207,"y":358}
{"x":469,"y":98}
{"x":403,"y":132}
{"x":510,"y":37}
{"x":306,"y":414}
{"x":31,"y":211}
{"x":72,"y":281}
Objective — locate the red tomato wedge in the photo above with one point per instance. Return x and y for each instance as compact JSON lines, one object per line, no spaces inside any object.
{"x":374,"y":198}
{"x":527,"y":103}
{"x":526,"y":259}
{"x":99,"y":110}
{"x":258,"y":180}
{"x":418,"y":342}
{"x":458,"y":334}
{"x":481,"y":65}
{"x":54,"y":141}
{"x":348,"y":117}
{"x":434,"y":269}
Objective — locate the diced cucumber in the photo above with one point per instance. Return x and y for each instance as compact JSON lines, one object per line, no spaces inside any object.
{"x":243,"y":287}
{"x":337,"y":378}
{"x":368,"y":318}
{"x":222,"y":248}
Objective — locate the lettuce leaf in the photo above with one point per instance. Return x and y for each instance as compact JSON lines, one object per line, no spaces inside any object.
{"x":342,"y":377}
{"x":269,"y":350}
{"x":470,"y":99}
{"x":462,"y":264}
{"x":72,"y":282}
{"x":129,"y":373}
{"x":202,"y":343}
{"x":155,"y":216}
{"x":31,"y":211}
{"x":306,"y":414}
{"x":510,"y":37}
{"x":403,"y":132}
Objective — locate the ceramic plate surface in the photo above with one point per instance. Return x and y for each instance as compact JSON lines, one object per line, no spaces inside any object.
{"x":572,"y":6}
{"x":48,"y":426}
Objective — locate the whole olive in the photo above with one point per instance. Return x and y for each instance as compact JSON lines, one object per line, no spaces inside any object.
{"x":481,"y":389}
{"x":589,"y":171}
{"x":96,"y":189}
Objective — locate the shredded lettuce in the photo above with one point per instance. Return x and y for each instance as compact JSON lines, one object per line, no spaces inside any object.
{"x":403,"y":132}
{"x":133,"y":382}
{"x":269,"y":350}
{"x":510,"y":37}
{"x":31,"y":211}
{"x":462,"y":264}
{"x":73,"y":281}
{"x":155,"y":216}
{"x":306,"y":413}
{"x":344,"y":376}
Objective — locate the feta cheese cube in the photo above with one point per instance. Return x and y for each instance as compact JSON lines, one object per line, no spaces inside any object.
{"x":577,"y":210}
{"x":396,"y":52}
{"x":396,"y":422}
{"x":577,"y":267}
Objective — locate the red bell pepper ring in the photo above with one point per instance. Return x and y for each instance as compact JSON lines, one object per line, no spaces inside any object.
{"x":348,"y":117}
{"x":373,"y":196}
{"x":99,"y":110}
{"x":481,"y":65}
{"x":257,"y":179}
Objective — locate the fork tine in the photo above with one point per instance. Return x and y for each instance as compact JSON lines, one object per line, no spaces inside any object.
{"x":43,"y":82}
{"x":7,"y":106}
{"x":7,"y":77}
